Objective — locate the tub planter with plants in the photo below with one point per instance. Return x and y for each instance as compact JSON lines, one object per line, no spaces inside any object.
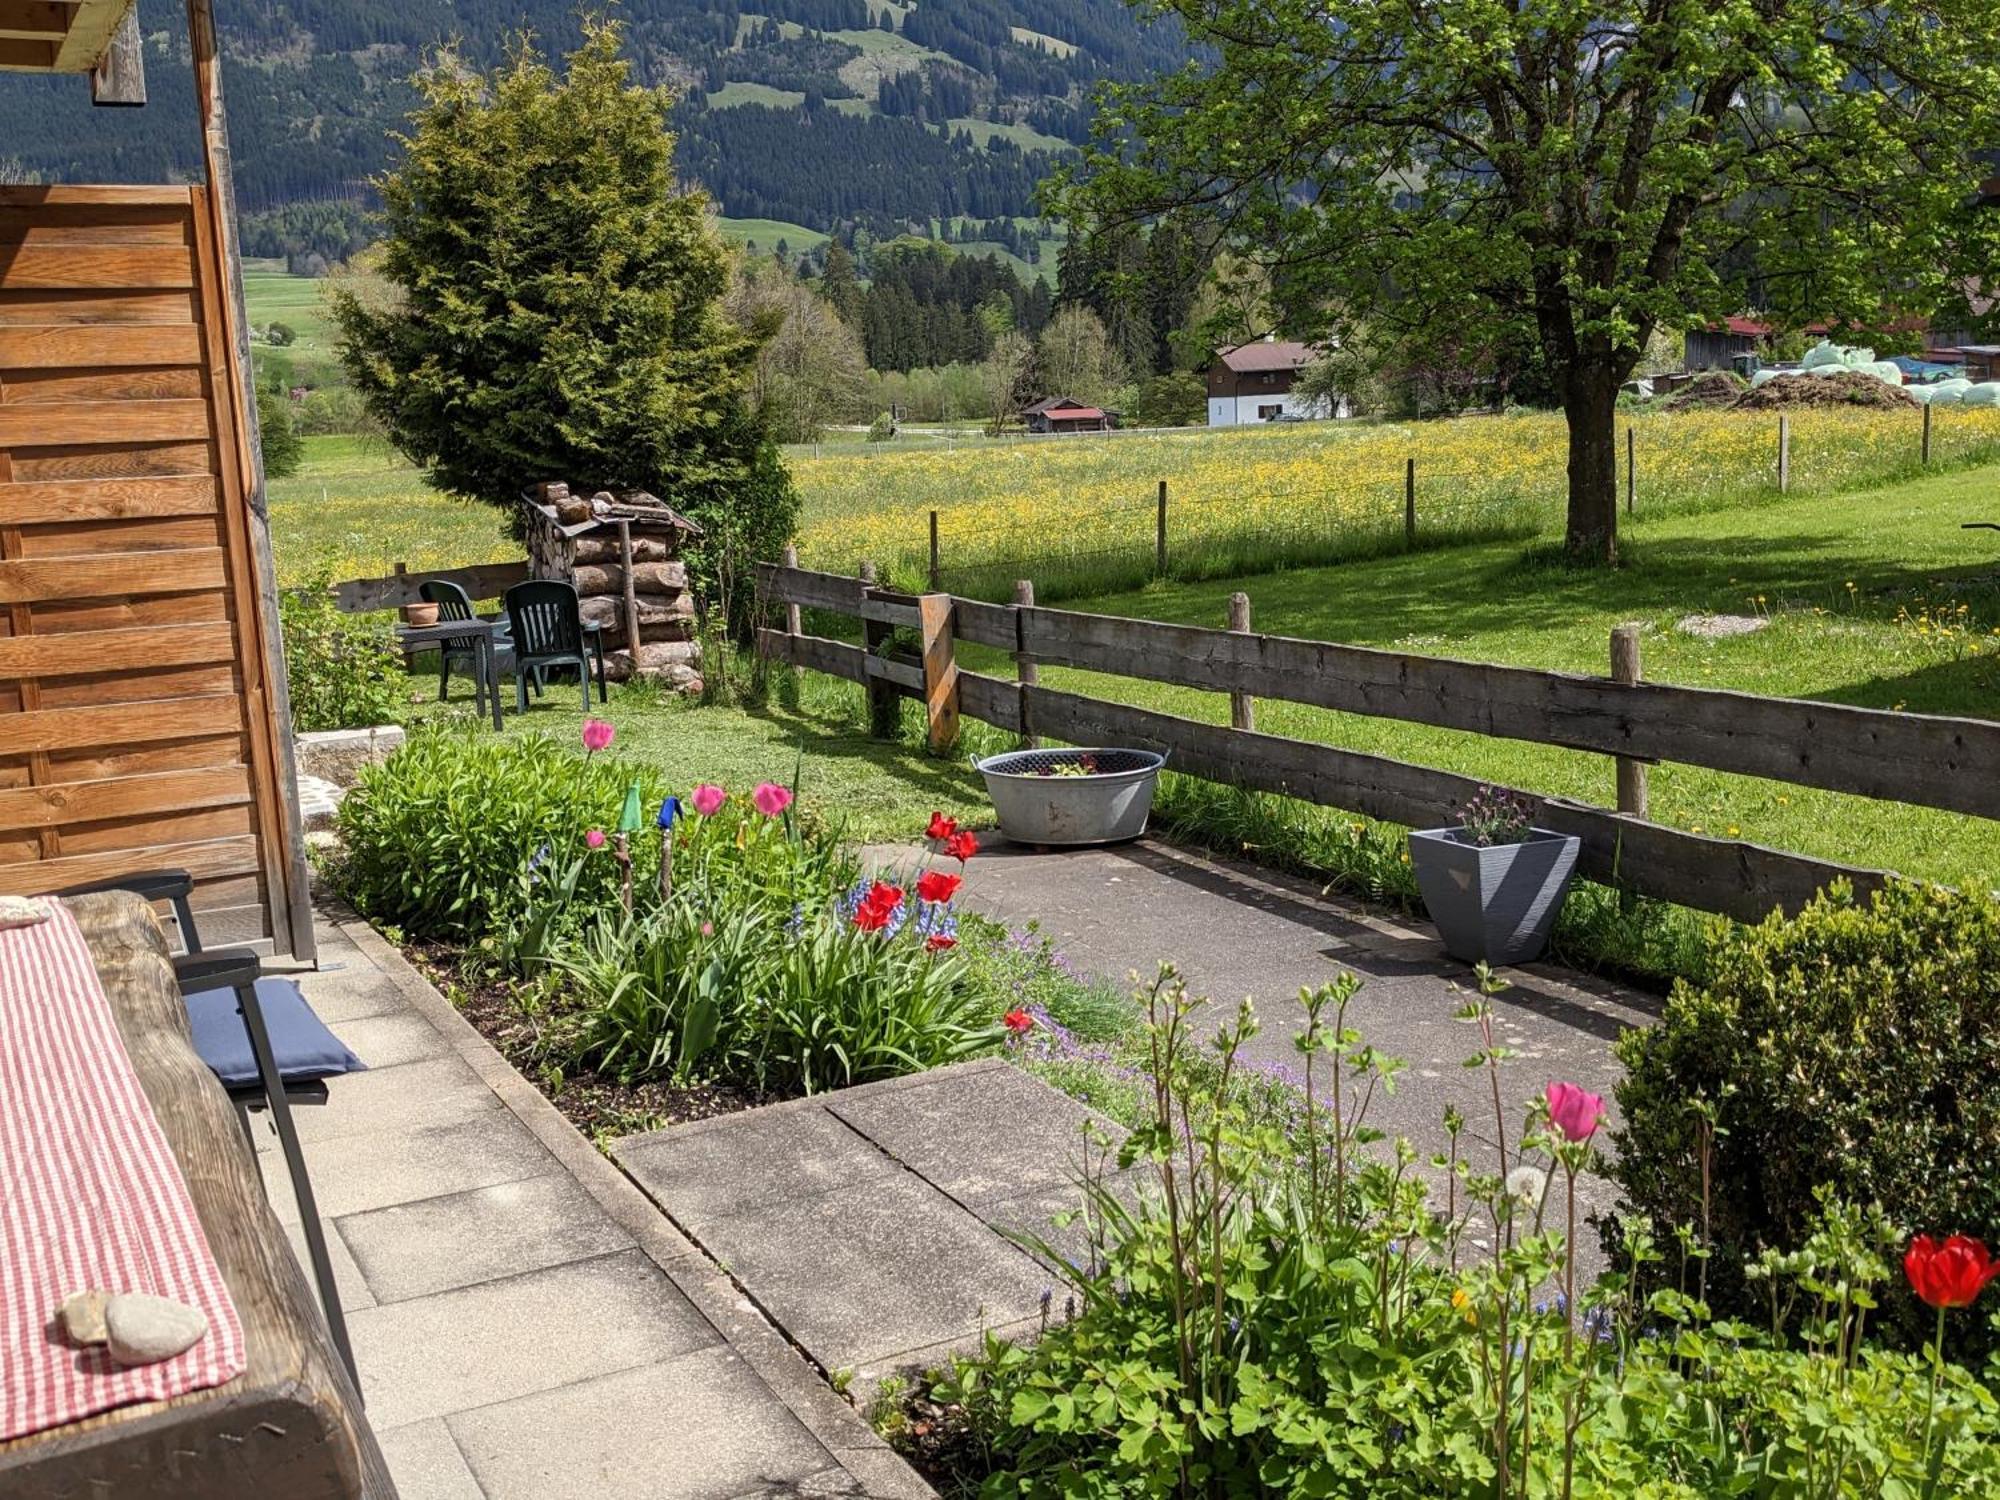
{"x":1072,"y":797}
{"x":1494,"y":882}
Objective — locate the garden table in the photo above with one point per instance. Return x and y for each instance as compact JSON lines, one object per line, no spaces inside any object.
{"x":289,"y":1424}
{"x":487,"y":681}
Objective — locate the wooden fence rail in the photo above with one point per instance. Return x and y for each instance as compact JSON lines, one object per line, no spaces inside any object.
{"x":1927,"y":760}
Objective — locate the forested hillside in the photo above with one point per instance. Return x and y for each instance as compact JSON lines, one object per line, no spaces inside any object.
{"x":832,"y":114}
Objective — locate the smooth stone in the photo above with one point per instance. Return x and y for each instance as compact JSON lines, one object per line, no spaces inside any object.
{"x":82,"y":1315}
{"x":143,"y":1330}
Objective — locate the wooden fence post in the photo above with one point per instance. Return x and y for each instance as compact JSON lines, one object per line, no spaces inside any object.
{"x":885,"y":714}
{"x":1160,"y":535}
{"x":1242,"y":707}
{"x":1025,"y":670}
{"x":1410,"y":503}
{"x":935,"y":572}
{"x":1784,"y":452}
{"x":940,"y":672}
{"x":631,"y":590}
{"x":1625,"y":671}
{"x":1631,"y":470}
{"x":1927,"y":432}
{"x":794,"y":624}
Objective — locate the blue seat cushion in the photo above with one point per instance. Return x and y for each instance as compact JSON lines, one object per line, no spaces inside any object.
{"x":300,"y":1043}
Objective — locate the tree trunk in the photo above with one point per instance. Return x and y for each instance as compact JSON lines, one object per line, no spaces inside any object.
{"x":1590,"y":404}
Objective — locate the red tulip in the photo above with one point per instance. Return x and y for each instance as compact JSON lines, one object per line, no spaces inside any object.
{"x":938,"y":887}
{"x":1018,"y":1021}
{"x":594,"y":839}
{"x":1948,"y":1274}
{"x":941,"y":827}
{"x":597,"y":735}
{"x":938,"y":942}
{"x":961,"y":846}
{"x":878,"y":906}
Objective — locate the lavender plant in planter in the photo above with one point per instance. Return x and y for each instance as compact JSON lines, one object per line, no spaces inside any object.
{"x":1494,"y":882}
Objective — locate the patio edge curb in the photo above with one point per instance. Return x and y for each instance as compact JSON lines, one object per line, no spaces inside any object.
{"x":838,"y":1427}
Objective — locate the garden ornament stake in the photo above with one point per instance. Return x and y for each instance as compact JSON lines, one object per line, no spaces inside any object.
{"x":669,"y":814}
{"x":628,"y":824}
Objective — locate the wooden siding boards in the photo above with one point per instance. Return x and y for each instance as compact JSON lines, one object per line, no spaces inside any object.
{"x":136,"y":729}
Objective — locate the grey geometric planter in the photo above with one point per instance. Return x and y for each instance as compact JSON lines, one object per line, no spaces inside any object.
{"x":1497,"y":903}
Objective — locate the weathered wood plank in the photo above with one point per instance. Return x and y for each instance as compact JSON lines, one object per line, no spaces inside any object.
{"x":28,"y":57}
{"x":120,"y":723}
{"x":76,"y":423}
{"x":803,"y":586}
{"x":90,"y":33}
{"x":95,"y":224}
{"x":984,"y":624}
{"x":123,"y":797}
{"x":485,"y":581}
{"x":57,"y":305}
{"x":1740,"y":880}
{"x":59,"y":346}
{"x":839,"y":659}
{"x":33,"y":20}
{"x":64,"y":501}
{"x":1933,"y":761}
{"x":131,"y":383}
{"x":119,"y":79}
{"x":98,"y":268}
{"x":111,"y":575}
{"x":201,"y":858}
{"x":42,"y":195}
{"x":114,"y":651}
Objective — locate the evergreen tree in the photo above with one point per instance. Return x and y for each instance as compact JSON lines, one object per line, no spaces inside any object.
{"x":838,"y":283}
{"x":556,"y":302}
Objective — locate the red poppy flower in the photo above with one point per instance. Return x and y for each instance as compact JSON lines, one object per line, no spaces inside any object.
{"x":938,"y":887}
{"x":1948,"y":1274}
{"x":961,"y":846}
{"x":1018,"y":1021}
{"x":937,"y":942}
{"x":941,"y":827}
{"x":878,"y":906}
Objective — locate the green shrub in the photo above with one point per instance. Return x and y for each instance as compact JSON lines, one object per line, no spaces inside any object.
{"x":344,"y":671}
{"x":1854,"y":1046}
{"x":278,"y":432}
{"x":1277,"y":1309}
{"x":460,"y":833}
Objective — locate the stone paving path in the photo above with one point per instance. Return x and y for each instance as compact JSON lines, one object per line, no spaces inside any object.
{"x":867,"y":1222}
{"x":527,"y":1325}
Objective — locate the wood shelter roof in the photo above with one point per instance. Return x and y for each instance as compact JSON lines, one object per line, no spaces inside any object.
{"x":59,"y":36}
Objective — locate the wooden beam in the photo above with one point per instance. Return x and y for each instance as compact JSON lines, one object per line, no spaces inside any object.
{"x":76,"y":346}
{"x":34,"y":20}
{"x":123,"y":797}
{"x":69,"y":424}
{"x":97,"y":725}
{"x":27,"y":57}
{"x":93,"y":268}
{"x":483,"y":581}
{"x":90,"y":33}
{"x":95,"y":651}
{"x":65,"y":501}
{"x":106,"y":575}
{"x":119,"y":80}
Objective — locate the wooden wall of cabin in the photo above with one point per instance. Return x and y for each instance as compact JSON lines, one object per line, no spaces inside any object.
{"x":135,"y":722}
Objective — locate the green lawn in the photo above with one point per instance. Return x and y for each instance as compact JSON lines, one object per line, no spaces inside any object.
{"x":1851,"y":587}
{"x":273,"y":295}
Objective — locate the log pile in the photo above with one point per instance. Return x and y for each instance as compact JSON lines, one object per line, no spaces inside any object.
{"x":641,"y":599}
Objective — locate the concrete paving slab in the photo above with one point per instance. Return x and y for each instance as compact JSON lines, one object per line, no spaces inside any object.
{"x":697,"y":1419}
{"x":426,"y":1463}
{"x":887,"y":1265}
{"x":347,"y":1277}
{"x":461,"y":1239}
{"x":438,"y":1092}
{"x":387,"y":1041}
{"x":347,"y":989}
{"x":499,"y":1340}
{"x":978,"y":1134}
{"x":373,"y":1171}
{"x":1035,"y":1213}
{"x":709,"y":1171}
{"x":830,"y":1482}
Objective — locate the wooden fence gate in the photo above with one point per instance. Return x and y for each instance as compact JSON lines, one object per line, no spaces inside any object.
{"x":142,"y":720}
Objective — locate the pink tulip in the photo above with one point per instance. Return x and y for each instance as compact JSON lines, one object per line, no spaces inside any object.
{"x":770,"y":799}
{"x":597,"y":735}
{"x":1575,"y":1111}
{"x":708,"y":799}
{"x":594,"y":839}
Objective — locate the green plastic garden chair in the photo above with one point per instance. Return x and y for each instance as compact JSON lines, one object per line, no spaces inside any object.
{"x":547,"y":623}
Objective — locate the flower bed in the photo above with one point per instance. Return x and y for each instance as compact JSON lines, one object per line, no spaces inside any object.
{"x":651,"y":957}
{"x":1284,"y":1309}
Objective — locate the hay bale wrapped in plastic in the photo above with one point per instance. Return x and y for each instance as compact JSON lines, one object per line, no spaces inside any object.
{"x":1986,"y":393}
{"x":1885,"y":370}
{"x":1822,"y":354}
{"x":1761,"y":377}
{"x":1948,"y":392}
{"x":1921,"y":394}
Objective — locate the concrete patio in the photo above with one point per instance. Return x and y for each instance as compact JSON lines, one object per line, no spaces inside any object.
{"x":527,"y":1325}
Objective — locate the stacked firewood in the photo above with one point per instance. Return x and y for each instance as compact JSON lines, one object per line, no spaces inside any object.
{"x":584,"y":540}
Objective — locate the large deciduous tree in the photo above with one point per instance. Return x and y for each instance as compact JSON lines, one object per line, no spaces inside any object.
{"x":1565,"y":175}
{"x":549,"y":303}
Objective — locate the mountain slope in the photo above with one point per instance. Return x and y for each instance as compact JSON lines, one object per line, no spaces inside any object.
{"x":833,"y":114}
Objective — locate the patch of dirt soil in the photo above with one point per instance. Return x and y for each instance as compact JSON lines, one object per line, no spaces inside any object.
{"x":1711,"y":391}
{"x":1849,"y":388}
{"x":596,"y":1103}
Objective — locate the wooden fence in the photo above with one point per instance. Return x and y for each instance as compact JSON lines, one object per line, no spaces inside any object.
{"x":1925,"y":760}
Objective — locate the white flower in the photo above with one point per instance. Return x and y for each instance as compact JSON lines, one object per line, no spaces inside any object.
{"x":1525,"y":1185}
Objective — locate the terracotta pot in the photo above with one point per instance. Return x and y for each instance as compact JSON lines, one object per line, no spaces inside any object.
{"x":420,"y":614}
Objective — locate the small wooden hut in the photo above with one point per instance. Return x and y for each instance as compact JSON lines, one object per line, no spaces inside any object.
{"x":623,"y":555}
{"x":144,"y":719}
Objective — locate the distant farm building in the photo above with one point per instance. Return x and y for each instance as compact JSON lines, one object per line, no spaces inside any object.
{"x":1717,"y":346}
{"x":1060,"y":414}
{"x":1253,"y":382}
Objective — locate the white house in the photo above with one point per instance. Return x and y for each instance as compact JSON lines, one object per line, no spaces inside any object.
{"x":1253,"y":383}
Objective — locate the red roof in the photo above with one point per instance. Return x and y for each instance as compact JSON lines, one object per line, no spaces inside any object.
{"x":1075,"y":414}
{"x":1749,"y":327}
{"x":1267,"y":354}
